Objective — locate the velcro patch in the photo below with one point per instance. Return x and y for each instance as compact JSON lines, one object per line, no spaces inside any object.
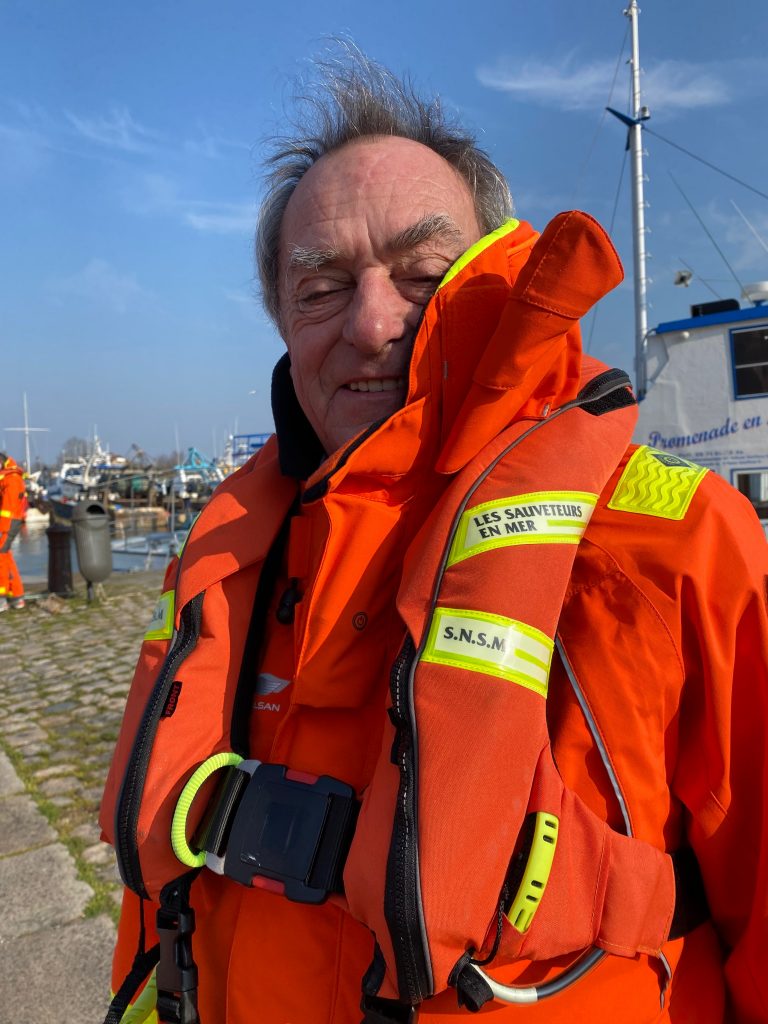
{"x":493,"y":644}
{"x":542,"y":517}
{"x":161,"y":623}
{"x":657,"y":484}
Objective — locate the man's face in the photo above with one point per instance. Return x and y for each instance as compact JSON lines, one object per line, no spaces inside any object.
{"x":366,"y":238}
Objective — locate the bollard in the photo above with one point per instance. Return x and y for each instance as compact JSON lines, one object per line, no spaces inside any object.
{"x":60,"y":560}
{"x":93,"y":545}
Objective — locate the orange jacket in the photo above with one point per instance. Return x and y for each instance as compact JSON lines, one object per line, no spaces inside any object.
{"x":12,"y":493}
{"x":663,"y":626}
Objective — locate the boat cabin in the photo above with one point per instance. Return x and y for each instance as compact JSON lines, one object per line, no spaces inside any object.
{"x":707,"y":391}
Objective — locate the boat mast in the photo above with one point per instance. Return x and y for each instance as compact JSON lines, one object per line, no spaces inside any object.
{"x":639,"y":114}
{"x":26,"y":430}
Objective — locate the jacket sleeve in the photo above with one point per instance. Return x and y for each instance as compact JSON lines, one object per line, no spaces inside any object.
{"x":722,"y":771}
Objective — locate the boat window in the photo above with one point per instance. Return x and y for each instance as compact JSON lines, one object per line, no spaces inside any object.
{"x":755,"y":487}
{"x":750,"y":361}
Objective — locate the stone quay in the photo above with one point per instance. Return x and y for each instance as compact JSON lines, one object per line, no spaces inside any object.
{"x":65,"y":669}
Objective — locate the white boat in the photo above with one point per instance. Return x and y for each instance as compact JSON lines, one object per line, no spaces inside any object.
{"x":702,"y":381}
{"x":146,"y":551}
{"x":707,"y":393}
{"x":36,"y":518}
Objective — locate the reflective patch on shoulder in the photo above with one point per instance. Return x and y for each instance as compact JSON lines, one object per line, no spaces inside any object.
{"x":493,"y":644}
{"x":657,"y":484}
{"x":542,"y":517}
{"x":161,"y":624}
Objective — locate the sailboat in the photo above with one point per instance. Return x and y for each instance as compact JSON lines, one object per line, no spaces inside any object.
{"x":702,"y":380}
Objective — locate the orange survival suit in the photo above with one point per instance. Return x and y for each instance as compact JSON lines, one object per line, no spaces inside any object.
{"x":12,"y":494}
{"x":657,"y":692}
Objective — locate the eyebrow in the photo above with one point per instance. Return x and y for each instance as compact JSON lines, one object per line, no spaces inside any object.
{"x":432,"y":226}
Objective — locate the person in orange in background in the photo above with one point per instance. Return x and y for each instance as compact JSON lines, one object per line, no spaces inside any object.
{"x":484,"y":683}
{"x":12,"y":508}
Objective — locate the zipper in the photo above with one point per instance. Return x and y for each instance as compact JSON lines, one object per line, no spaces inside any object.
{"x":402,"y":904}
{"x":132,"y":789}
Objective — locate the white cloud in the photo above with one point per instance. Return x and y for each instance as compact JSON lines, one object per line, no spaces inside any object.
{"x":220,"y":218}
{"x":213,"y":147}
{"x":102,"y":284}
{"x":25,"y":151}
{"x":241,"y":298}
{"x":118,"y":130}
{"x":667,"y":86}
{"x":744,"y":243}
{"x":159,"y":194}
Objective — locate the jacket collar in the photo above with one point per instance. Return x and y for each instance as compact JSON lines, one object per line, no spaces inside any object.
{"x":238,"y":525}
{"x":300,"y":451}
{"x":498,"y":342}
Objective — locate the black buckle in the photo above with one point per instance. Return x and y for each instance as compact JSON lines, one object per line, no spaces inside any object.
{"x":292,"y":829}
{"x":176,"y":970}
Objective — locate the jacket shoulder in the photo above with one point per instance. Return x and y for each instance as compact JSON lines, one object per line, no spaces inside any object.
{"x":668,"y":506}
{"x":678,"y":536}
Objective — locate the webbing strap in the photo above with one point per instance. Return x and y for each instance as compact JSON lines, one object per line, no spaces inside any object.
{"x":386,"y":1011}
{"x":143,"y":964}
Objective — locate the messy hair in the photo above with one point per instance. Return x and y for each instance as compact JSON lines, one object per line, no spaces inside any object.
{"x":357,"y":98}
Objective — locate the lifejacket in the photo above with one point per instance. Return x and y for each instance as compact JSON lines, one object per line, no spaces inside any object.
{"x":12,"y":492}
{"x":467,"y":848}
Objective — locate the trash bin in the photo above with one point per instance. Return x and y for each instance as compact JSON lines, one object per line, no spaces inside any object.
{"x":90,"y":523}
{"x":59,"y":560}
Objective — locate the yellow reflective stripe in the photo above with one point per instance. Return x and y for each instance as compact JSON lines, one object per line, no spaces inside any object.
{"x":541,"y":517}
{"x":656,"y":484}
{"x":161,"y":623}
{"x":143,"y":1011}
{"x":506,"y":229}
{"x":493,"y":644}
{"x":5,"y":514}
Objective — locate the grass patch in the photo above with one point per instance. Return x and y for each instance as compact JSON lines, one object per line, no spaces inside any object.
{"x":63,"y":820}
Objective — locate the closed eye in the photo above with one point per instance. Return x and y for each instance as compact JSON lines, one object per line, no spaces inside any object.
{"x":324,"y":300}
{"x":419,"y":289}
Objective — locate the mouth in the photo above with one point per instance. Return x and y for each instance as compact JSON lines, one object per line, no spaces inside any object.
{"x":376,"y":384}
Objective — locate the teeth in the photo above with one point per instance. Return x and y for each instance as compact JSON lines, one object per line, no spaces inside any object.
{"x":376,"y":384}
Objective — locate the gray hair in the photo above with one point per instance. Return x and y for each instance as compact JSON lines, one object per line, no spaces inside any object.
{"x":358,"y":98}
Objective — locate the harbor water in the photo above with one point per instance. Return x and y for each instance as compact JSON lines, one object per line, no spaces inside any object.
{"x":131,"y":554}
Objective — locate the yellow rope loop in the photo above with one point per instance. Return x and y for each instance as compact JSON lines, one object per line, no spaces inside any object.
{"x":181,"y":847}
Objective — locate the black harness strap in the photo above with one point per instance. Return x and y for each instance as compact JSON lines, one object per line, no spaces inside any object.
{"x":241,"y":709}
{"x":143,"y":964}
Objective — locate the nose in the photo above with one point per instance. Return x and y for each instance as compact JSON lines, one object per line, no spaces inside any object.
{"x":378,"y":313}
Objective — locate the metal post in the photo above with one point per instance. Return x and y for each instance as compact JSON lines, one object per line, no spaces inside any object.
{"x":639,"y":114}
{"x":59,"y":560}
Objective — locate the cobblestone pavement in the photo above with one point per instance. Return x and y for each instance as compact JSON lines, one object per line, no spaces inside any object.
{"x":65,"y":668}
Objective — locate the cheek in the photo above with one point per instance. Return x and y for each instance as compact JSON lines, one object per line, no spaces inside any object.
{"x":308,"y":350}
{"x":310,"y":343}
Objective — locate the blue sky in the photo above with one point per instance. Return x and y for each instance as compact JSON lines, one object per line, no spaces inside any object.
{"x":131,"y":140}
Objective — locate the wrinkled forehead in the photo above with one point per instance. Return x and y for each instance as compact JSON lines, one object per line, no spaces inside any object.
{"x":386,"y":184}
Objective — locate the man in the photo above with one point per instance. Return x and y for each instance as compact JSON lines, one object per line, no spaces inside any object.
{"x":12,"y":493}
{"x":373,"y":603}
